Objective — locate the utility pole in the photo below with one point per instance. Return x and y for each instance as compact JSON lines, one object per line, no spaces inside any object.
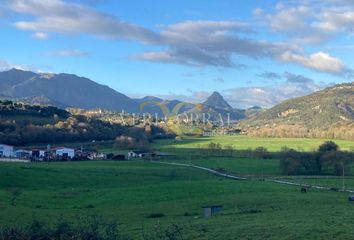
{"x":343,"y":183}
{"x":262,"y":161}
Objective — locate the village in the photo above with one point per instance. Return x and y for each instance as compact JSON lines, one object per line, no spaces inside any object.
{"x":10,"y":153}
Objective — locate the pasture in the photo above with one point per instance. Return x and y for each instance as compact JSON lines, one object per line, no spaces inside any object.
{"x":132,"y":192}
{"x":243,"y":142}
{"x":143,"y":197}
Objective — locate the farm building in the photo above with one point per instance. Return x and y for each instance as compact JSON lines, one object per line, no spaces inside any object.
{"x":140,"y":154}
{"x":21,"y":153}
{"x":64,"y":152}
{"x":6,"y":150}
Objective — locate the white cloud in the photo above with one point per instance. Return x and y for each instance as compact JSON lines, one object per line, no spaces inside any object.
{"x":268,"y":96}
{"x":6,"y":65}
{"x":311,"y":21}
{"x":40,"y":36}
{"x":71,"y":18}
{"x":68,"y":53}
{"x":336,"y":19}
{"x":201,"y":43}
{"x":319,"y":61}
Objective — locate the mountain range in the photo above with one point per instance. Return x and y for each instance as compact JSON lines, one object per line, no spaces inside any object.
{"x":68,"y":90}
{"x":327,"y":110}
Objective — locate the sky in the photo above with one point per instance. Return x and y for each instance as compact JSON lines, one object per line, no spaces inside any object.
{"x":253,"y":52}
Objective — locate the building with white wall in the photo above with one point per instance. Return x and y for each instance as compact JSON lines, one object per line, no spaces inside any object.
{"x":64,"y":152}
{"x":6,"y":150}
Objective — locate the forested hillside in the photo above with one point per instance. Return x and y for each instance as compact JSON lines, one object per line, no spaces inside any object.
{"x":325,"y":114}
{"x":26,"y":124}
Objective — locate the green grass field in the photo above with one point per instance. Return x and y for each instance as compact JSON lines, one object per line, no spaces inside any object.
{"x":128,"y":192}
{"x":241,"y":142}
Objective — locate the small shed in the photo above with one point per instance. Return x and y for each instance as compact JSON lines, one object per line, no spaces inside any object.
{"x":211,"y":210}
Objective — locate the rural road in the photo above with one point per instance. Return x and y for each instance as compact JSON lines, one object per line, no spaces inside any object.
{"x":229,"y":176}
{"x":203,"y":168}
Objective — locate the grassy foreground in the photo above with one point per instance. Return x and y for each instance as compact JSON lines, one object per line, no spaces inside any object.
{"x":130,"y":192}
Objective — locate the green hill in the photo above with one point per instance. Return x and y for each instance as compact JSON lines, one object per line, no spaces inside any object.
{"x":328,"y":113}
{"x":22,"y":124}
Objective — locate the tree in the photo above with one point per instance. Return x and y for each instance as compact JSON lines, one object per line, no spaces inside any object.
{"x":261,"y":152}
{"x":328,"y":146}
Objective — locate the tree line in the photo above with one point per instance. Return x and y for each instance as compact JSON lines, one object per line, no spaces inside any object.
{"x":338,"y":131}
{"x":328,"y":159}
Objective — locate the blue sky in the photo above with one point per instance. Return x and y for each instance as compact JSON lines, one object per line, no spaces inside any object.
{"x":253,"y":52}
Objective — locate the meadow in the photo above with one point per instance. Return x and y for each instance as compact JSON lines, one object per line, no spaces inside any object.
{"x":243,"y":142}
{"x":143,"y":196}
{"x":130,"y":192}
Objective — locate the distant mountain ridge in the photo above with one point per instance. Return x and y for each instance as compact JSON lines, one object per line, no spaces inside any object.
{"x":68,"y":90}
{"x":64,"y":90}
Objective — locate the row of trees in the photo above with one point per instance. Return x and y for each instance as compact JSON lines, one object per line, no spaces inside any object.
{"x":339,"y":131}
{"x":215,"y":149}
{"x":327,"y":159}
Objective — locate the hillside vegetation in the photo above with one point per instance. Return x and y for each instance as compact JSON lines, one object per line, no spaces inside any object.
{"x":324,"y":114}
{"x":29,"y":124}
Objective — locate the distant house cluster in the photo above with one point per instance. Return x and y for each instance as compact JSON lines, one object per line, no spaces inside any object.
{"x":8,"y":152}
{"x":56,"y":153}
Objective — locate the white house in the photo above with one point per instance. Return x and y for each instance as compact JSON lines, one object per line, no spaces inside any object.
{"x":6,"y":150}
{"x":65,"y":152}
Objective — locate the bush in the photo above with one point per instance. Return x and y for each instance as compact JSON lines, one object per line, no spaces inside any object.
{"x":92,"y":227}
{"x":155,"y":215}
